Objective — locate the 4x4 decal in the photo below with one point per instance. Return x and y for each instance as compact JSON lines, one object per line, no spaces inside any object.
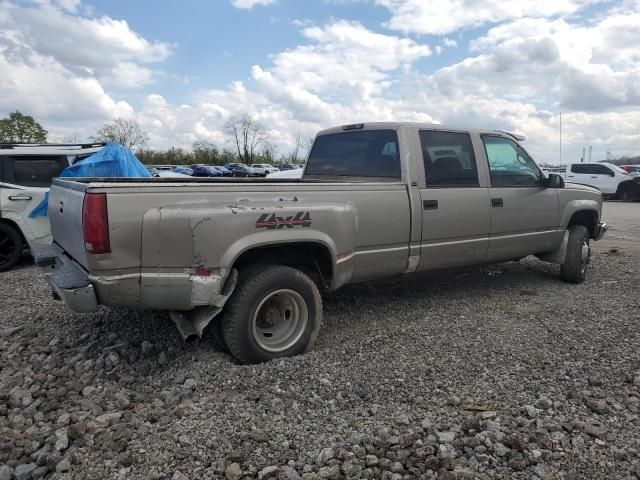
{"x":273,"y":222}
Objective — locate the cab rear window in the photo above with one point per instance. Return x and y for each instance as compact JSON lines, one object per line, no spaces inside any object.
{"x":365,"y":153}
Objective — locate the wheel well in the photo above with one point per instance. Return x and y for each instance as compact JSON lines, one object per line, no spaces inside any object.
{"x":588,"y":218}
{"x":626,"y":185}
{"x":314,"y":259}
{"x":15,"y":226}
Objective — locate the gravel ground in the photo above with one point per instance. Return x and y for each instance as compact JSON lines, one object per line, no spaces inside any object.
{"x":493,"y":372}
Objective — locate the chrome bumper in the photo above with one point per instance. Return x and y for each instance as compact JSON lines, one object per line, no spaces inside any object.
{"x":67,"y":279}
{"x":601,"y":229}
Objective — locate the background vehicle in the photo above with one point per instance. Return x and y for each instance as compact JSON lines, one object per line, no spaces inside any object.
{"x":241,"y":170}
{"x":631,"y":168}
{"x":289,"y":166}
{"x":610,"y":179}
{"x":205,"y":171}
{"x":171,"y":174}
{"x":262,"y":250}
{"x":184,"y":170}
{"x":264,"y":168}
{"x":294,"y":173}
{"x":225,"y":172}
{"x":26,"y":171}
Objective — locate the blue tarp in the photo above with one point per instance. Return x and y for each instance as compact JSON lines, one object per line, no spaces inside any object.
{"x":112,"y":161}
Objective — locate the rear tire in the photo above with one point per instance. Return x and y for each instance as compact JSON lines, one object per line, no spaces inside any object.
{"x":274,"y":312}
{"x":10,"y":247}
{"x":574,"y":268}
{"x":218,"y":337}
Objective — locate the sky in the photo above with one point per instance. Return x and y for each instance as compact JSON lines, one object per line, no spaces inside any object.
{"x":183,"y":69}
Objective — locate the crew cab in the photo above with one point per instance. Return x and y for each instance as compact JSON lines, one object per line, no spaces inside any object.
{"x":610,"y":179}
{"x":375,"y":200}
{"x":26,"y":171}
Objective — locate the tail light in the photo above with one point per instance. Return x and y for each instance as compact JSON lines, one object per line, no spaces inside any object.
{"x":95,"y":223}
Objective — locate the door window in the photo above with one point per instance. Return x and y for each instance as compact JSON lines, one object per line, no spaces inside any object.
{"x":448,"y":159}
{"x":580,"y":168}
{"x":509,"y":164}
{"x":591,"y":169}
{"x":601,"y":170}
{"x":35,"y":171}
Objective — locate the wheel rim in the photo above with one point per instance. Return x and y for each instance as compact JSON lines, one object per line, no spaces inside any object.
{"x":280,"y":320}
{"x":7,"y":248}
{"x":585,"y":255}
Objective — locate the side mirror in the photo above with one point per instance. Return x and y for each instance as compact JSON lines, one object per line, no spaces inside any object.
{"x":612,"y":174}
{"x":554,"y":181}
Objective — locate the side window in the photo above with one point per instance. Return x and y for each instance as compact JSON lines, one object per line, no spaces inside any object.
{"x":578,"y":168}
{"x":448,"y":158}
{"x":364,"y":153}
{"x":509,"y":165}
{"x":35,"y":171}
{"x":601,"y":170}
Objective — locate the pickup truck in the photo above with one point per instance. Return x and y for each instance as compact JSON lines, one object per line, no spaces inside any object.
{"x":375,"y":200}
{"x":612,"y":180}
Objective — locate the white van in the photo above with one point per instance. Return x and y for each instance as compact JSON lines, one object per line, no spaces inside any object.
{"x":26,"y":171}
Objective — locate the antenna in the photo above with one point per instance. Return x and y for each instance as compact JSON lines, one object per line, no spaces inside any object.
{"x":560,"y":138}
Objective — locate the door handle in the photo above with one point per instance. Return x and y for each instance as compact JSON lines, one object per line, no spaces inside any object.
{"x":593,"y":176}
{"x":430,"y":204}
{"x":497,"y":202}
{"x":20,"y":197}
{"x":570,"y":176}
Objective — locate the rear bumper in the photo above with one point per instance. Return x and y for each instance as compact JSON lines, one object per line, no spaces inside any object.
{"x":601,"y":229}
{"x":67,"y":279}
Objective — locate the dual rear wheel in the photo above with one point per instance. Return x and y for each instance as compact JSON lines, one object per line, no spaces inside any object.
{"x":276,"y":311}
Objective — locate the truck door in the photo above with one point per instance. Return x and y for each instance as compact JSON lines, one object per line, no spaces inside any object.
{"x":455,"y":207}
{"x":524,"y":214}
{"x":26,"y":180}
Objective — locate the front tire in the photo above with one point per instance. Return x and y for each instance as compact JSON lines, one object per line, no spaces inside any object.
{"x":574,"y":268}
{"x":275,"y":312}
{"x":10,"y":247}
{"x":626,"y":194}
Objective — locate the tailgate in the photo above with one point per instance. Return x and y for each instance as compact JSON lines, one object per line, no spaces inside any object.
{"x":65,"y":212}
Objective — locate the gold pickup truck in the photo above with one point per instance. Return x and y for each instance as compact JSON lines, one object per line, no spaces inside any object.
{"x":375,"y":200}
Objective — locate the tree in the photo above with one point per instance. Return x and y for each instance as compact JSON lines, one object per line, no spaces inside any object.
{"x":248,"y":135}
{"x":268,"y":152}
{"x":19,"y":128}
{"x":124,"y":132}
{"x":295,"y":151}
{"x":205,"y":152}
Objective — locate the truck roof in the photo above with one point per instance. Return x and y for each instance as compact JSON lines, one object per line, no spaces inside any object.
{"x":49,"y":148}
{"x":431,"y":126}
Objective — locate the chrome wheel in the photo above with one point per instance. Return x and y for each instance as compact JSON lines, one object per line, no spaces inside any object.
{"x":280,"y":320}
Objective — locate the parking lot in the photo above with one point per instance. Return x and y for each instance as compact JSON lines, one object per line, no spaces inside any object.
{"x":502,"y":371}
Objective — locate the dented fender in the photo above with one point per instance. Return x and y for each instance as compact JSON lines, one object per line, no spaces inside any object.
{"x":183,"y":241}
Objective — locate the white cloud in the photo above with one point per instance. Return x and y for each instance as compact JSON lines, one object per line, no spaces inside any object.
{"x":445,"y":16}
{"x":58,"y":65}
{"x":249,"y":4}
{"x":516,"y":76}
